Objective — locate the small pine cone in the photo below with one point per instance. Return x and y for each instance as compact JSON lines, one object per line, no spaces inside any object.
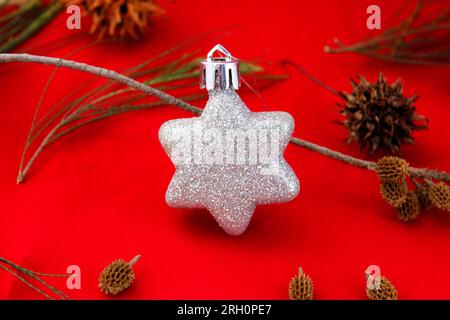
{"x":410,"y":208}
{"x":394,"y":193}
{"x":423,"y":195}
{"x":440,"y":195}
{"x":392,"y":169}
{"x":301,"y":287}
{"x":386,"y":291}
{"x":117,"y":276}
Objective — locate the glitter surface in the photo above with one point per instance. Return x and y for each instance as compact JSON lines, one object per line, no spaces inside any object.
{"x":229,"y":160}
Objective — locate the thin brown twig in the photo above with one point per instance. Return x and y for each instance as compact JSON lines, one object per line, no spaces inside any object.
{"x":361,"y":46}
{"x":34,"y":276}
{"x":89,"y":109}
{"x":112,"y":75}
{"x":34,"y":123}
{"x":26,"y":282}
{"x":399,"y":43}
{"x":134,"y":260}
{"x":310,"y":76}
{"x":114,"y":110}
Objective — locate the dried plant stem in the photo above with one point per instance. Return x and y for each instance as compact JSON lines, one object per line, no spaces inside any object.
{"x":369,"y":165}
{"x":430,"y":174}
{"x":134,"y":260}
{"x":365,"y":164}
{"x":112,"y":75}
{"x":102,"y":72}
{"x":310,"y":76}
{"x":109,"y":74}
{"x":33,"y":275}
{"x":400,"y":43}
{"x":26,"y":282}
{"x":34,"y":26}
{"x":358,"y":47}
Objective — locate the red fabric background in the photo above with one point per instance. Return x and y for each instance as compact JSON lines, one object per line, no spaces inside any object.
{"x":98,"y":194}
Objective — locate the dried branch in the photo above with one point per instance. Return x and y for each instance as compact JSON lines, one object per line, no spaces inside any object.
{"x":109,"y":100}
{"x":26,"y":282}
{"x":25,"y":21}
{"x":34,"y":275}
{"x":112,"y":75}
{"x":421,"y":38}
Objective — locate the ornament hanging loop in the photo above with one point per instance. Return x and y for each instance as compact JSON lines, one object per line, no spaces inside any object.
{"x":221,"y":49}
{"x":219,"y":73}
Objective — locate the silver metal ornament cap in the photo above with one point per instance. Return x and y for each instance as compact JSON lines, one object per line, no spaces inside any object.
{"x":220,"y":73}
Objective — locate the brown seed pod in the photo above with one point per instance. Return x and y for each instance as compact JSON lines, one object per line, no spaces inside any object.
{"x":301,"y":287}
{"x":392,"y":169}
{"x":440,"y":195}
{"x":394,"y":193}
{"x":379,"y":116}
{"x":386,"y":291}
{"x":122,"y":18}
{"x":422,"y":193}
{"x":117,"y":276}
{"x":410,"y":208}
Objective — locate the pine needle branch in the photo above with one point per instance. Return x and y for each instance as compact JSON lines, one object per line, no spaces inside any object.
{"x":112,"y":75}
{"x":411,"y":40}
{"x":34,"y":275}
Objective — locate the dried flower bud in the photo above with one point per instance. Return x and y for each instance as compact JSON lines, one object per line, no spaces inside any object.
{"x":410,"y":208}
{"x":392,"y":169}
{"x":117,"y":276}
{"x":301,"y":287}
{"x":422,"y":193}
{"x":394,"y":193}
{"x":386,"y":291}
{"x":122,"y":18}
{"x":440,"y":195}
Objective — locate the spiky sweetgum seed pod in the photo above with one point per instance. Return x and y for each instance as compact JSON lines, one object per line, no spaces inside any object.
{"x":117,"y":277}
{"x":386,"y":291}
{"x":410,"y":208}
{"x":392,"y":169}
{"x":301,"y":287}
{"x":118,"y":18}
{"x":440,"y":195}
{"x":379,"y":116}
{"x":394,"y":193}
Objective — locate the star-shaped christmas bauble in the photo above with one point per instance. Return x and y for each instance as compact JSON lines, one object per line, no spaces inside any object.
{"x":229,"y":159}
{"x":229,"y":185}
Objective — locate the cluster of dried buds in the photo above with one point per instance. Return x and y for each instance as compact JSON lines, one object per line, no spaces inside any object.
{"x":393,"y":172}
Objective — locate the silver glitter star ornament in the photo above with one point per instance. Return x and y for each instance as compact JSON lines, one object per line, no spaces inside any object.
{"x":229,"y":159}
